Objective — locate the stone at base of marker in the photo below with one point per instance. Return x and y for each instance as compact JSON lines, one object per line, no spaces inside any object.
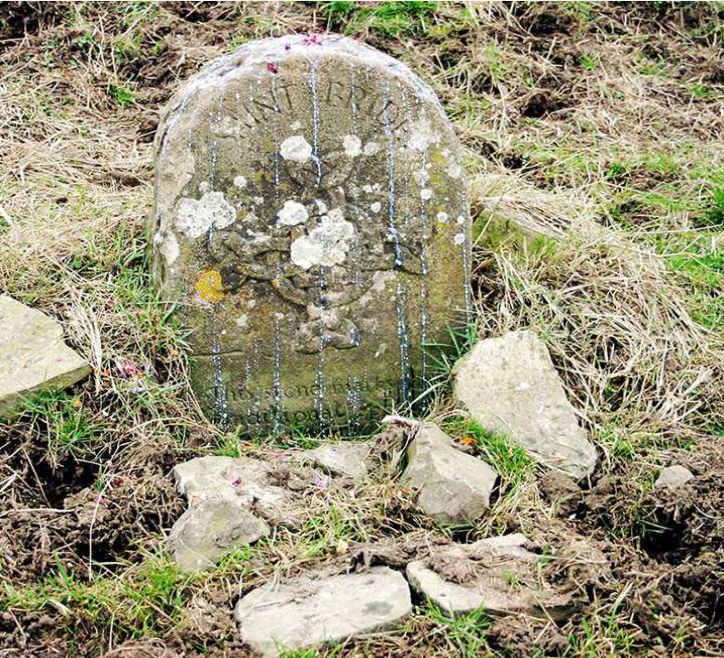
{"x":452,"y":486}
{"x":312,"y":610}
{"x":33,"y":356}
{"x":510,"y":386}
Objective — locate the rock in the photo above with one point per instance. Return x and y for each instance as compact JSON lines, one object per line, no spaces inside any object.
{"x":311,"y":611}
{"x":673,"y":476}
{"x":498,"y":575}
{"x":232,"y":501}
{"x":248,"y":481}
{"x":311,"y":223}
{"x":33,"y":356}
{"x":452,"y":486}
{"x":509,"y":386}
{"x":343,"y":459}
{"x":210,"y":529}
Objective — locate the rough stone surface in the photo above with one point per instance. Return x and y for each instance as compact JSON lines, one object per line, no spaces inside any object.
{"x":248,"y":481}
{"x":232,"y":501}
{"x":509,"y":385}
{"x":498,"y":574}
{"x":673,"y":476}
{"x":311,"y":220}
{"x":452,"y":486}
{"x":210,"y":529}
{"x":33,"y":356}
{"x":341,"y":459}
{"x":310,"y":611}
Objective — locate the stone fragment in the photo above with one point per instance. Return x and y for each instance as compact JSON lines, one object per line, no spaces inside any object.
{"x":452,"y":486}
{"x":498,"y":575}
{"x":209,"y":529}
{"x":509,"y":385}
{"x":232,"y":501}
{"x":311,"y":222}
{"x":344,"y":459}
{"x":33,"y":356}
{"x":250,"y":482}
{"x":673,"y":476}
{"x":313,"y":610}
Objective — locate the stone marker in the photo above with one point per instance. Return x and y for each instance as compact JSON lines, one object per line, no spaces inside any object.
{"x":311,"y":221}
{"x":500,"y":576}
{"x":33,"y":356}
{"x":313,"y":610}
{"x":509,"y":385}
{"x":673,"y":476}
{"x":453,"y":487}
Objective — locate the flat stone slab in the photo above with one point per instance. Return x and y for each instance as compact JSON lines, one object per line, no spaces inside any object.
{"x":33,"y":356}
{"x":232,"y":501}
{"x":509,"y":386}
{"x":452,"y":485}
{"x":312,"y":223}
{"x":673,"y":476}
{"x":310,"y":611}
{"x":248,"y":481}
{"x":344,"y":459}
{"x":210,"y":529}
{"x":498,"y":575}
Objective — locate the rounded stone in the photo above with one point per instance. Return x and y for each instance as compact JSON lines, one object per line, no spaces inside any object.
{"x":299,"y":185}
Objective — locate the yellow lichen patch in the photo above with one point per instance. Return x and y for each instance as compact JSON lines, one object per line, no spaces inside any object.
{"x":209,"y":286}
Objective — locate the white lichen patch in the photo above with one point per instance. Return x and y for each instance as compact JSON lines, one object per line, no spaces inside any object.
{"x":326,"y":245}
{"x":460,"y":220}
{"x":203,"y":187}
{"x":454,"y":170}
{"x":442,"y":217}
{"x":194,"y":218}
{"x":422,"y":135}
{"x":240,"y":181}
{"x":242,"y":321}
{"x":371,"y":148}
{"x":293,"y":213}
{"x":296,"y":148}
{"x":297,"y":125}
{"x":352,"y":145}
{"x":459,"y":238}
{"x":321,"y":205}
{"x":426,"y":194}
{"x":376,"y":206}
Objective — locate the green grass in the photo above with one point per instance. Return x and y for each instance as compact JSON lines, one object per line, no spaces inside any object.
{"x":465,"y":635}
{"x":510,"y":461}
{"x":392,"y":19}
{"x":149,"y":597}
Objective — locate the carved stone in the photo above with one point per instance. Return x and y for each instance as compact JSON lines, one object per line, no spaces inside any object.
{"x":311,"y":220}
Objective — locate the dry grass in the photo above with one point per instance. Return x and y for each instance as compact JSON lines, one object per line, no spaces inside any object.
{"x":597,"y":130}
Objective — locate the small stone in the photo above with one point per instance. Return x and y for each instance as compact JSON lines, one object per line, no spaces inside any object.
{"x":342,"y":459}
{"x":673,"y":476}
{"x":509,"y":386}
{"x":248,"y":481}
{"x":498,"y":574}
{"x":33,"y":356}
{"x":312,"y":610}
{"x":452,"y":486}
{"x":210,"y":529}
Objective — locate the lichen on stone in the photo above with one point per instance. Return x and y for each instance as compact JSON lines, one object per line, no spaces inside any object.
{"x":194,"y":218}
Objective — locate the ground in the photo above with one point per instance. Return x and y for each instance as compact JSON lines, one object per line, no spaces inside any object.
{"x":595,"y":127}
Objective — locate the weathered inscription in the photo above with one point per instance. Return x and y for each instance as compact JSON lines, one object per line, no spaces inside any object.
{"x":312,"y":221}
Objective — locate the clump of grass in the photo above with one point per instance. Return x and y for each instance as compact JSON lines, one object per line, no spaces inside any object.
{"x":390,"y":18}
